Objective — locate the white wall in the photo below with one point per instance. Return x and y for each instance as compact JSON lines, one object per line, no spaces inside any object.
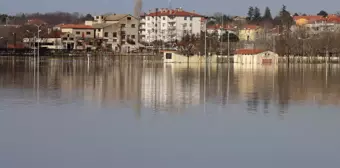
{"x":256,"y":58}
{"x":163,"y":27}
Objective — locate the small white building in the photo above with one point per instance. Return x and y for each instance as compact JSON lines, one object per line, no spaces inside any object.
{"x":175,"y":57}
{"x":254,"y":56}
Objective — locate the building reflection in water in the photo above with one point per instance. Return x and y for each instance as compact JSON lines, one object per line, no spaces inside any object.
{"x":173,"y":87}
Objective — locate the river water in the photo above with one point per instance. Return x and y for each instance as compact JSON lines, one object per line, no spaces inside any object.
{"x":79,"y":114}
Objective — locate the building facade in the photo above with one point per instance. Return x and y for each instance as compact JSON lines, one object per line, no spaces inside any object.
{"x":169,"y":25}
{"x":250,"y":33}
{"x":119,"y":31}
{"x":255,"y":56}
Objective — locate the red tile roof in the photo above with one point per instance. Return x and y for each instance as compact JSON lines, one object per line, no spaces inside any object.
{"x":316,"y":18}
{"x":251,"y":27}
{"x":36,"y":22}
{"x":18,"y":45}
{"x":309,"y":17}
{"x":248,"y":51}
{"x":75,"y":26}
{"x":174,"y":12}
{"x":333,"y":20}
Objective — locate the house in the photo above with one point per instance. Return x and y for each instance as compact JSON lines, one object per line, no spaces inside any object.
{"x":119,"y":31}
{"x":169,"y":25}
{"x":78,"y":30}
{"x":219,"y":29}
{"x":250,"y":33}
{"x":315,"y":24}
{"x":50,"y":41}
{"x":170,"y":56}
{"x":255,"y":56}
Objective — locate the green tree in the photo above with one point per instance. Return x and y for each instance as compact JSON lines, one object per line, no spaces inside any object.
{"x":323,"y":13}
{"x":267,"y":14}
{"x":257,"y":14}
{"x":285,"y":18}
{"x":250,"y":13}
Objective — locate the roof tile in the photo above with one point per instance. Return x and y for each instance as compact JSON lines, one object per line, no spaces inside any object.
{"x":248,"y":51}
{"x":75,"y":26}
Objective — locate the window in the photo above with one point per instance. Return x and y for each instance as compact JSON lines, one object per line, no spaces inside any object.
{"x":184,"y":25}
{"x":133,"y":36}
{"x":106,"y":34}
{"x":148,"y":18}
{"x":114,"y":34}
{"x":133,"y":25}
{"x":122,"y":25}
{"x":190,"y":24}
{"x":123,"y":42}
{"x":77,"y":32}
{"x":114,"y":40}
{"x":168,"y":55}
{"x":90,"y":43}
{"x":98,"y":30}
{"x":163,"y":24}
{"x":128,"y":18}
{"x":163,"y":18}
{"x":191,"y":18}
{"x":65,"y":38}
{"x":185,"y":18}
{"x":71,"y":39}
{"x":88,"y":33}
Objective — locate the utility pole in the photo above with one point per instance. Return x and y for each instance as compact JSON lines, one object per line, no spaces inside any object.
{"x":205,"y":40}
{"x":221,"y":36}
{"x":228,"y":45}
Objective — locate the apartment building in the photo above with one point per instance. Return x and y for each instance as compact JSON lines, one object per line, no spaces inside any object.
{"x":119,"y":31}
{"x":169,"y":25}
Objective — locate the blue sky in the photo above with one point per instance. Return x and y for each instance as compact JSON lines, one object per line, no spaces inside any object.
{"x":238,"y":7}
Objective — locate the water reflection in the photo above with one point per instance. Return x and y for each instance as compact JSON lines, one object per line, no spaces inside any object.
{"x":171,"y":87}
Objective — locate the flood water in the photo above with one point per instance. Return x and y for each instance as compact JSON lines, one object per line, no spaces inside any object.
{"x":79,"y":114}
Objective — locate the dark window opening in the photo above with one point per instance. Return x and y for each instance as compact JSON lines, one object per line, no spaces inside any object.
{"x":168,"y":55}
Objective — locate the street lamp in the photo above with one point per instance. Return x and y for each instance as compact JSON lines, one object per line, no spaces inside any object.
{"x":33,"y":43}
{"x":207,"y":19}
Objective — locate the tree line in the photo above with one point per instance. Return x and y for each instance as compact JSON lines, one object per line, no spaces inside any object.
{"x":52,"y":18}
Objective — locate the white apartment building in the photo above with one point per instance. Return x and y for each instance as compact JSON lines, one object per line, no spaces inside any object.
{"x":169,"y":25}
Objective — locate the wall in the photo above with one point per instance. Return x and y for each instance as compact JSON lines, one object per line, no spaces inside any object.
{"x":178,"y":58}
{"x":85,"y":31}
{"x":252,"y":33}
{"x":163,"y":24}
{"x":256,"y":59}
{"x":73,"y":31}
